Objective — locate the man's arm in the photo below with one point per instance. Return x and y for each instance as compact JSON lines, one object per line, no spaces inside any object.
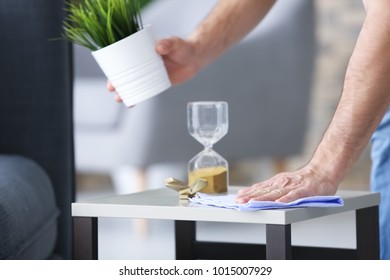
{"x":227,"y":23}
{"x":364,"y":101}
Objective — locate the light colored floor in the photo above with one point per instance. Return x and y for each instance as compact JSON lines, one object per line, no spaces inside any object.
{"x":337,"y":29}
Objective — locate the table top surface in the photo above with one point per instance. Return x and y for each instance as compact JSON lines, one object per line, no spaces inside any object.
{"x":164,"y":204}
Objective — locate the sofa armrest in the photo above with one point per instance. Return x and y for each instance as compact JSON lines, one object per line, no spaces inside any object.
{"x":28,"y":212}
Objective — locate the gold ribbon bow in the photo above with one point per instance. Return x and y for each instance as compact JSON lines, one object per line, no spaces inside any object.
{"x":185,"y":191}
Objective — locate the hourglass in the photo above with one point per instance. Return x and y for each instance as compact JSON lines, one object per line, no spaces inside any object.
{"x":208,"y":123}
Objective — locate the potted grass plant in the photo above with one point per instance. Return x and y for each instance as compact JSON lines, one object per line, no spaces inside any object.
{"x":122,"y":46}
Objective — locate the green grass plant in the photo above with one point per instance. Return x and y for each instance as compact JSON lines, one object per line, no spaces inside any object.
{"x":95,"y":24}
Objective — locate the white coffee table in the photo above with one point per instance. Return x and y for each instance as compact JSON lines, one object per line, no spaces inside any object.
{"x":164,"y":204}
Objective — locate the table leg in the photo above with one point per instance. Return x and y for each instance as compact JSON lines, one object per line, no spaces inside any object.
{"x":278,"y":242}
{"x":367,"y":233}
{"x":185,"y":236}
{"x":85,"y":238}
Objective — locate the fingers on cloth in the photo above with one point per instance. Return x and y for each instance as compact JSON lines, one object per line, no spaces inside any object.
{"x":268,"y":194}
{"x":260,"y":192}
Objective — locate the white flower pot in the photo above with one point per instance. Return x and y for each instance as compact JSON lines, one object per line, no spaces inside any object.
{"x":134,"y":67}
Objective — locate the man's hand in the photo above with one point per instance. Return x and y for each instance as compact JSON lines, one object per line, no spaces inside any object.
{"x":180,"y":60}
{"x":289,"y":186}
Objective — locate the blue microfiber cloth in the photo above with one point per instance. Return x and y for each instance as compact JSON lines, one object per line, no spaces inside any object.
{"x":229,"y":201}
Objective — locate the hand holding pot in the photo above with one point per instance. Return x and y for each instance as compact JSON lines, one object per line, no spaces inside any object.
{"x":180,"y":60}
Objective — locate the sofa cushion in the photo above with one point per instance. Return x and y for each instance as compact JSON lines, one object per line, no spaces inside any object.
{"x":28,"y":212}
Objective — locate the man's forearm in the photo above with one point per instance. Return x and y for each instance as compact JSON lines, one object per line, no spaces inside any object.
{"x":365,"y":97}
{"x":227,"y":23}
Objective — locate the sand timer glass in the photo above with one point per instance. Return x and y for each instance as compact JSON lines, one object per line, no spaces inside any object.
{"x":208,"y":123}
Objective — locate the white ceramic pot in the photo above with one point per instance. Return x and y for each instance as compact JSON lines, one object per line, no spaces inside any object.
{"x":134,"y":67}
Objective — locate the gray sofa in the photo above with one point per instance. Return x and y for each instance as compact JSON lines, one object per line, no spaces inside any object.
{"x":36,"y":133}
